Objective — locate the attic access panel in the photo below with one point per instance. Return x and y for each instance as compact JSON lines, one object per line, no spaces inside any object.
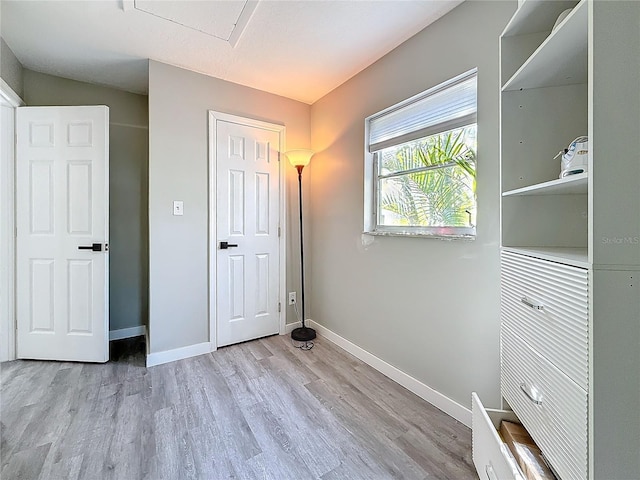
{"x":223,"y":19}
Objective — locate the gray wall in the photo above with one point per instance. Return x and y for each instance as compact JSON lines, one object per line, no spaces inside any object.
{"x":128,"y":164}
{"x":429,"y":307}
{"x":178,"y":170}
{"x":10,"y":68}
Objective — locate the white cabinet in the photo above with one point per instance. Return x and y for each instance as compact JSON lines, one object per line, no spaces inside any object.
{"x":547,"y":304}
{"x":549,"y":404}
{"x":570,"y":261}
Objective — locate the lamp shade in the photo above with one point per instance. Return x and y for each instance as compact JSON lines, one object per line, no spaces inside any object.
{"x":300,"y":157}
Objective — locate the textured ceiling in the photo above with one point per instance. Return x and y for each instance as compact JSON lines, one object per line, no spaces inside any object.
{"x":301,"y":49}
{"x":223,"y":19}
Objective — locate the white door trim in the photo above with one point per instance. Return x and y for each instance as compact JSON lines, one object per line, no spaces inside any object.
{"x":214,"y":117}
{"x":8,"y":98}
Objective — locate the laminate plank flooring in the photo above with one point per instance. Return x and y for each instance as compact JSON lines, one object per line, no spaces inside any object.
{"x":257,"y":410}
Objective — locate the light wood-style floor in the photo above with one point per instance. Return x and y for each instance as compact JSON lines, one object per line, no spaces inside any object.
{"x":258,"y":410}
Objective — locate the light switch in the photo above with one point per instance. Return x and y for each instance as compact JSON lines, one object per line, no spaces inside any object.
{"x":178,"y":207}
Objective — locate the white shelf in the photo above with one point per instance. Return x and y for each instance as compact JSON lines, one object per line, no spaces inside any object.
{"x":583,"y":223}
{"x":578,"y":257}
{"x":561,"y":59}
{"x":535,"y":16}
{"x":571,"y":185}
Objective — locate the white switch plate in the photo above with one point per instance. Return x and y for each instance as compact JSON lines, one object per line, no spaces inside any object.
{"x":178,"y":207}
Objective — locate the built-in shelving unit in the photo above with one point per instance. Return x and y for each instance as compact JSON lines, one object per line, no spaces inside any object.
{"x":544,"y":107}
{"x":570,"y":254}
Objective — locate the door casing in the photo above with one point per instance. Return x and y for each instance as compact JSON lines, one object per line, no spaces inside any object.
{"x":8,"y":99}
{"x":214,"y":117}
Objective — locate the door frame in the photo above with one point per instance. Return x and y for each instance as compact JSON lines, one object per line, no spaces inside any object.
{"x":214,"y":118}
{"x":8,"y":98}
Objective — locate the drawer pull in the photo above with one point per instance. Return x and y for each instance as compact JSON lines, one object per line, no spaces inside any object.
{"x":491,"y":475}
{"x":532,"y":304}
{"x":532,"y":394}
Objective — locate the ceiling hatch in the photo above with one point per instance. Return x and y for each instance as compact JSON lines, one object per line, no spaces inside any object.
{"x":223,"y":19}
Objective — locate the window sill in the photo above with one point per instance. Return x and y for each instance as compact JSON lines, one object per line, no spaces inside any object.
{"x":436,"y":236}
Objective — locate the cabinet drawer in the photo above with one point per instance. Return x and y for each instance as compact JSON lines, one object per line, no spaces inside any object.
{"x":549,"y":404}
{"x":547,"y":304}
{"x":491,"y":456}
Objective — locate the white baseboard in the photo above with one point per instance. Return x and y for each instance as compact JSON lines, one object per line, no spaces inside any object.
{"x":167,"y":356}
{"x":127,"y":332}
{"x":289,"y":327}
{"x":437,"y":399}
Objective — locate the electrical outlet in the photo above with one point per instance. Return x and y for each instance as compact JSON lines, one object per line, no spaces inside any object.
{"x":292,"y":298}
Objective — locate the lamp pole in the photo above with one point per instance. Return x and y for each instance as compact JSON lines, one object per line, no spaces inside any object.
{"x":299,"y":168}
{"x":300,"y":158}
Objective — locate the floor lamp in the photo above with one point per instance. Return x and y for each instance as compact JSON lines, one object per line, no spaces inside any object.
{"x":299,"y":159}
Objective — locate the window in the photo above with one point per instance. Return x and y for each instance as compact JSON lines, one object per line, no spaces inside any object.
{"x":420,"y":170}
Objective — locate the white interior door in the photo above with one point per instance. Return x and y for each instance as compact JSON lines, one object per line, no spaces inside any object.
{"x":247,"y":219}
{"x":62,"y":205}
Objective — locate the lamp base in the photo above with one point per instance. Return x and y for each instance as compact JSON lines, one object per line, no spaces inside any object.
{"x":303,"y":334}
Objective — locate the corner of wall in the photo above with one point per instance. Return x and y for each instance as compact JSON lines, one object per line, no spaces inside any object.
{"x":11,"y":70}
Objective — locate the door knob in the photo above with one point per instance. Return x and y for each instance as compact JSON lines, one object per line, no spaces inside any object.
{"x":225,"y":245}
{"x":96,"y":247}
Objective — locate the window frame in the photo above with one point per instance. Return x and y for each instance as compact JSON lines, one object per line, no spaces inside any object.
{"x":372,"y":177}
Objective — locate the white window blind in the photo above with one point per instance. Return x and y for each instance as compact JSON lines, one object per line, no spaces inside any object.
{"x":447,"y":106}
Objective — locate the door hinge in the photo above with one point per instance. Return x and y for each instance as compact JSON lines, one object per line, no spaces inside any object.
{"x":279,"y":231}
{"x":278,"y":156}
{"x":279,"y":307}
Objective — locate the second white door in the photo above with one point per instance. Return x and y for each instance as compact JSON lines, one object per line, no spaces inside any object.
{"x":247,"y":222}
{"x":62,"y":223}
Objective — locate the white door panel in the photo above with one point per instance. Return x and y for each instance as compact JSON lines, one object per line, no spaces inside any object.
{"x":62,"y":204}
{"x":247,"y":215}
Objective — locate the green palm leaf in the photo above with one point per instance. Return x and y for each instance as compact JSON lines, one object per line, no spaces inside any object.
{"x":443,"y":192}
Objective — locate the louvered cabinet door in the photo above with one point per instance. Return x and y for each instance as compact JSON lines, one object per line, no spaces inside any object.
{"x":551,"y":406}
{"x":547,"y":304}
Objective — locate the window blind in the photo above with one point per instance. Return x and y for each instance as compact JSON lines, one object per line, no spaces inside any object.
{"x":450,"y":105}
